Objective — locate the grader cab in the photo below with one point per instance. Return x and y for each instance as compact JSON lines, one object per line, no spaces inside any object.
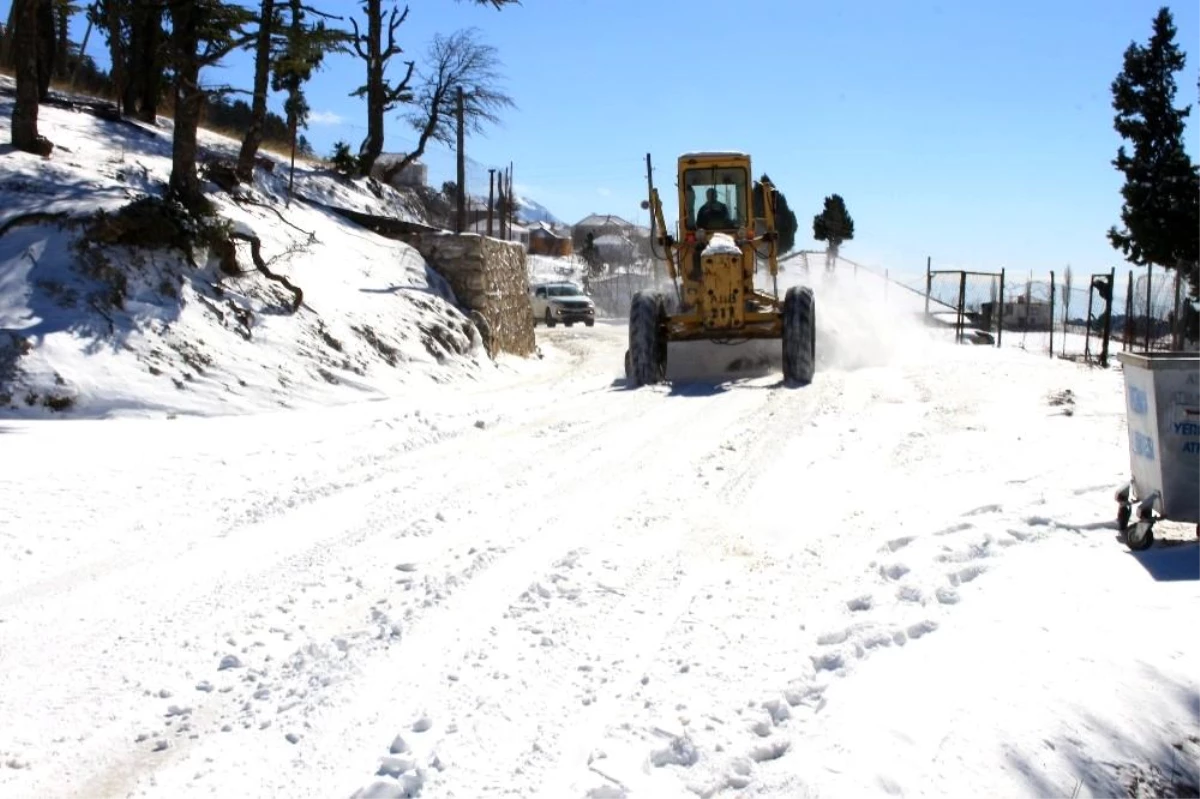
{"x":726,"y":228}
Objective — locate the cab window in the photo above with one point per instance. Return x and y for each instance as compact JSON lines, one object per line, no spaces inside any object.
{"x":728,"y":185}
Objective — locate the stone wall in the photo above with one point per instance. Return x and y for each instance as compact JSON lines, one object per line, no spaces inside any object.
{"x":488,"y":276}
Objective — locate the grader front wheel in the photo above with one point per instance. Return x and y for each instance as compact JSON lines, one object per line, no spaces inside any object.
{"x":799,"y":335}
{"x":647,"y":358}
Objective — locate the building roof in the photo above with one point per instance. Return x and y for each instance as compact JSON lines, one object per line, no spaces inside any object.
{"x":603,"y":220}
{"x":480,"y":226}
{"x":548,"y":229}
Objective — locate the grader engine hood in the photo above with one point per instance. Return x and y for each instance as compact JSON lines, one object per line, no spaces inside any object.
{"x":721,"y":302}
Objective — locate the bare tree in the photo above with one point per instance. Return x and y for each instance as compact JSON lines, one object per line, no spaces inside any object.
{"x":382,"y":95}
{"x":25,"y":109}
{"x":458,"y":60}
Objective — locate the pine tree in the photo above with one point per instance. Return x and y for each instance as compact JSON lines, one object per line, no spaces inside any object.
{"x":785,"y":218}
{"x":202,"y":33}
{"x":1161,"y":209}
{"x":303,"y":49}
{"x":834,"y":226}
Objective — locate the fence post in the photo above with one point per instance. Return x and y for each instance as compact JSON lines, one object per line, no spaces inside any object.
{"x":1127,"y":333}
{"x":1052,"y":315}
{"x":1149,"y":294}
{"x":1177,"y":309}
{"x":1000,"y":314}
{"x":928,"y":284}
{"x":1112,"y":277}
{"x":962,"y":301}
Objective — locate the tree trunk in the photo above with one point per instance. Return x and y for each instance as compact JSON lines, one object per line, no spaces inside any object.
{"x":147,"y":61}
{"x":25,"y":109}
{"x":189,"y":104}
{"x":131,"y":92}
{"x":372,"y":146}
{"x":61,"y":50}
{"x":46,"y":45}
{"x":116,"y":51}
{"x":258,"y":109}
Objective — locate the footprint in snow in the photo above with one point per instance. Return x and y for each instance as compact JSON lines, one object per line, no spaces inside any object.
{"x":859,"y":603}
{"x":955,"y":528}
{"x":975,"y":552}
{"x":772,"y":750}
{"x":965,"y":575}
{"x":680,"y":752}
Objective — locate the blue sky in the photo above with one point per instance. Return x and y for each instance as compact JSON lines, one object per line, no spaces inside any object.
{"x":978,"y":133}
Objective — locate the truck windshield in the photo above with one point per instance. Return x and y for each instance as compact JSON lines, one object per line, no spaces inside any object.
{"x":715,"y":197}
{"x":563,"y":291}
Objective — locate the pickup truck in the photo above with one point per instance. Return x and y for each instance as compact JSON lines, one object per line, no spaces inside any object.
{"x":561,"y":302}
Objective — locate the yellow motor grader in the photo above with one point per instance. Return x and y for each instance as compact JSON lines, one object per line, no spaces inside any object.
{"x":726,"y":226}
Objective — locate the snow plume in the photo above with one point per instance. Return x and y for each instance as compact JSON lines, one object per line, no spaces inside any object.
{"x":862,"y":320}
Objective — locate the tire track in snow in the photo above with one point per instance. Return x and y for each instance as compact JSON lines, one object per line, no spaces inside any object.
{"x":632,"y":502}
{"x":822,"y":440}
{"x":648,"y":431}
{"x":257,"y":566}
{"x":705,"y":550}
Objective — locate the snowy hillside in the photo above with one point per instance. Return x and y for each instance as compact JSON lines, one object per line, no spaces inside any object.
{"x":532,"y":211}
{"x":90,"y":327}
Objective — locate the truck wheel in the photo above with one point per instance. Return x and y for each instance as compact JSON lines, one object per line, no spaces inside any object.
{"x":799,"y":335}
{"x":549,"y":319}
{"x":647,"y":339}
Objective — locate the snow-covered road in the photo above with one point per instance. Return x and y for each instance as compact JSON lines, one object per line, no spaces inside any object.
{"x":549,"y":585}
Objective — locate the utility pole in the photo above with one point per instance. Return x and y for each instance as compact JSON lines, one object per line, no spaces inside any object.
{"x":462,"y":169}
{"x":502,"y":190}
{"x":491,"y":198}
{"x":511,"y":211}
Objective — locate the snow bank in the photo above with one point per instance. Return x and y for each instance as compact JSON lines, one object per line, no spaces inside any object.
{"x":102,"y":331}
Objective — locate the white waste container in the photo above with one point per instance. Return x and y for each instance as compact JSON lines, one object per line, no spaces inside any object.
{"x":1162,"y":404}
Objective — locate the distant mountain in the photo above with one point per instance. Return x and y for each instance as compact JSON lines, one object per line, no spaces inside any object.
{"x":532,"y":211}
{"x":528,"y":211}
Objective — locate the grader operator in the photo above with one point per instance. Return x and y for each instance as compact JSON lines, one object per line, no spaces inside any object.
{"x":726,"y":227}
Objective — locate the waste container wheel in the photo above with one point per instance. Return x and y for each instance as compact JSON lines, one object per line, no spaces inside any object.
{"x":1124,"y":514}
{"x":1140,"y":536}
